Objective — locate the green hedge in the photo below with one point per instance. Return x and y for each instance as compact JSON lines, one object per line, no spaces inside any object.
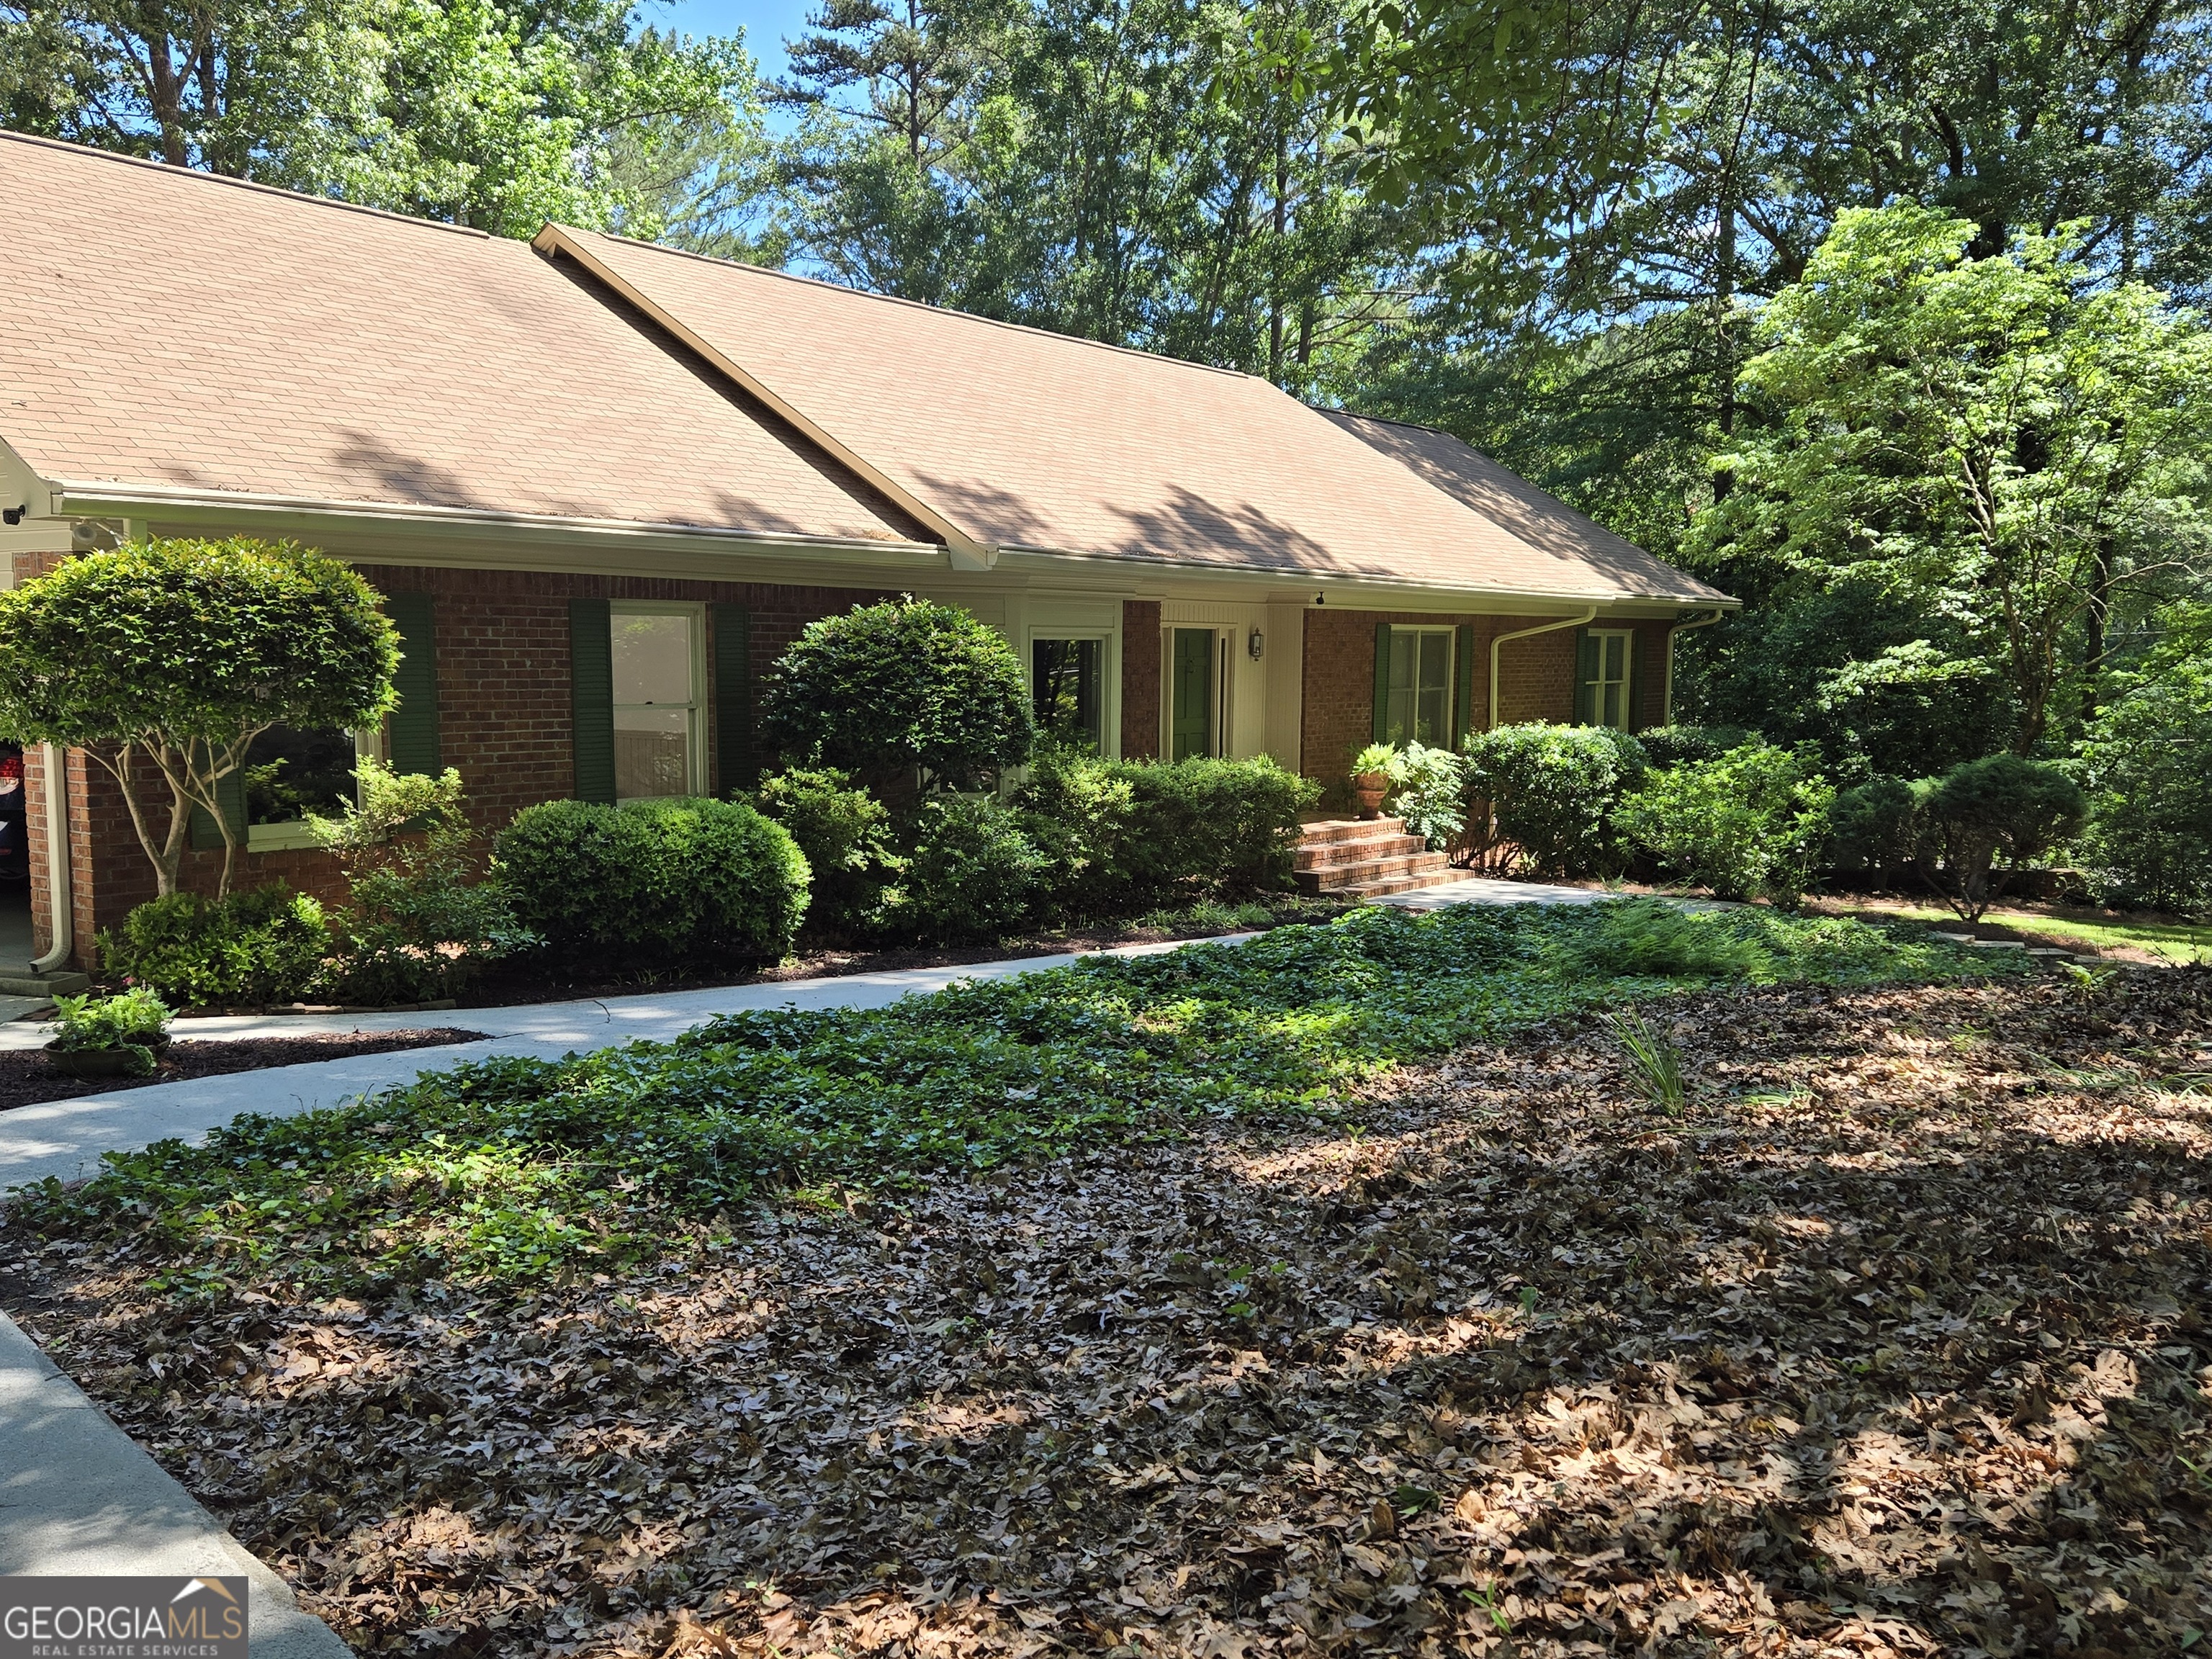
{"x":267,"y":945}
{"x":651,"y":883}
{"x":1123,"y":837}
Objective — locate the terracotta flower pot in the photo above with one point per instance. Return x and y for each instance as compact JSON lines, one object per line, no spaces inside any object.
{"x":1367,"y":789}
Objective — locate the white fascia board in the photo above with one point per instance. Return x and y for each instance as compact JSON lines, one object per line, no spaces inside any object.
{"x":1349,"y":591}
{"x":308,"y":517}
{"x":22,"y":486}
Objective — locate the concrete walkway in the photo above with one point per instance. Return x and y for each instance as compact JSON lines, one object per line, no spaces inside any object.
{"x":78,"y":1497}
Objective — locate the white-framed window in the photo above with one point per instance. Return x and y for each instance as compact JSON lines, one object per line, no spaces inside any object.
{"x":1067,"y":687}
{"x":289,"y":773}
{"x":660,"y":696}
{"x":1607,"y":659}
{"x":1418,"y":706}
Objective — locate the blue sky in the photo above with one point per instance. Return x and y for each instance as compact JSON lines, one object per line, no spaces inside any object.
{"x":765,"y":23}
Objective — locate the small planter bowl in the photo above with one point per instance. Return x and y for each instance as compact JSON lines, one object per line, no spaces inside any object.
{"x":98,"y":1062}
{"x":1367,"y":789}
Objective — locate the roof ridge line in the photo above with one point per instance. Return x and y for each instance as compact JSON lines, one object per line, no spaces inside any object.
{"x":920,"y":305}
{"x":201,"y":175}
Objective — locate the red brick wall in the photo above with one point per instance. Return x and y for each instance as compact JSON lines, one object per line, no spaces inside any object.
{"x":1140,"y":678}
{"x":1535,"y":678}
{"x":503,"y":713}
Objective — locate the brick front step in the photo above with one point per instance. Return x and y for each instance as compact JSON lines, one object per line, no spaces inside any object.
{"x":1323,"y":832}
{"x":1388,"y":885}
{"x":1358,"y":877}
{"x":1366,"y":858}
{"x":1331,"y":853}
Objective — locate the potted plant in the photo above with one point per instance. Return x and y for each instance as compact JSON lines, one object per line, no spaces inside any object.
{"x":1371,"y":771}
{"x":108,"y":1036}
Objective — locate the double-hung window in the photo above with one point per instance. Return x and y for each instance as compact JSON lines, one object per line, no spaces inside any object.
{"x":1417,"y":706}
{"x":1606,"y":655}
{"x":1067,"y":686}
{"x":658,"y":695}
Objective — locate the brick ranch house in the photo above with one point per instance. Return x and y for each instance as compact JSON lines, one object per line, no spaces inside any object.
{"x":602,"y":485}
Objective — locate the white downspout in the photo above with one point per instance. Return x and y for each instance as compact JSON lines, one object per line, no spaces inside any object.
{"x":1588,"y":616}
{"x":1667,"y":707}
{"x":60,"y":901}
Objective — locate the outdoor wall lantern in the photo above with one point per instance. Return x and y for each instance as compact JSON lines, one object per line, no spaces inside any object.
{"x":1255,"y":645}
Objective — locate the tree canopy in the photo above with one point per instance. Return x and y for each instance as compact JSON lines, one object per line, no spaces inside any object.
{"x":164,"y":659}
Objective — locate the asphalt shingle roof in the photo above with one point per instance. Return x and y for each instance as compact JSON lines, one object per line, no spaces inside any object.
{"x":164,"y":327}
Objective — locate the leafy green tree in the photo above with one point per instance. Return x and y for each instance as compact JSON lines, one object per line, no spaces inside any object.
{"x":496,"y":115}
{"x":164,"y":659}
{"x":2147,"y":761}
{"x":2011,"y":447}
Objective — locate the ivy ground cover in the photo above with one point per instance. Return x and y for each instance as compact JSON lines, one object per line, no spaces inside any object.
{"x":518,"y":1167}
{"x":1401,"y":1323}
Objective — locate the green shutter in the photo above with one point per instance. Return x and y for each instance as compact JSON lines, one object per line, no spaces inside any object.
{"x":733,"y":698}
{"x":1382,"y":682}
{"x":1640,"y":656}
{"x":231,"y":791}
{"x":1586,"y":670}
{"x":1464,"y":659}
{"x":411,"y":734}
{"x":592,"y":698}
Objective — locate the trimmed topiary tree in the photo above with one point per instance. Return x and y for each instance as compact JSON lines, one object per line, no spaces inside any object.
{"x":164,"y":659}
{"x":890,"y":687}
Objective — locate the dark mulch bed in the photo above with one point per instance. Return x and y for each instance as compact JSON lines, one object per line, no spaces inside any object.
{"x":26,"y":1079}
{"x":538,"y":981}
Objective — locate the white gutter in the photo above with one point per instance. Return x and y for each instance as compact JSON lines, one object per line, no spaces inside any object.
{"x":1667,"y":709}
{"x":54,"y":772}
{"x":1588,"y":616}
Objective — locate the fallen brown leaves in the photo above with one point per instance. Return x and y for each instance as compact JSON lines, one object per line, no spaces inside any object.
{"x":1896,"y":1343}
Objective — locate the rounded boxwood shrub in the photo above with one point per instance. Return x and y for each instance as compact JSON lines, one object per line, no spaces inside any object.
{"x":904,"y":684}
{"x":654,"y":881}
{"x":1876,"y":826}
{"x":266,"y":944}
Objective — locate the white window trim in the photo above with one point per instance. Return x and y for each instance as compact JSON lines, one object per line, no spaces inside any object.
{"x":1627,"y":636}
{"x":1110,"y":677}
{"x":695,"y":742}
{"x":1226,"y":640}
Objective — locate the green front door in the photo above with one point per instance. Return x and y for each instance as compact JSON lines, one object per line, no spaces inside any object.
{"x":1191,"y":729}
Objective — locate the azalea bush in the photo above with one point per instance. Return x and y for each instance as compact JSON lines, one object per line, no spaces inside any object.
{"x":419,"y":926}
{"x":263,"y":945}
{"x":1751,"y":824}
{"x":1544,"y":795}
